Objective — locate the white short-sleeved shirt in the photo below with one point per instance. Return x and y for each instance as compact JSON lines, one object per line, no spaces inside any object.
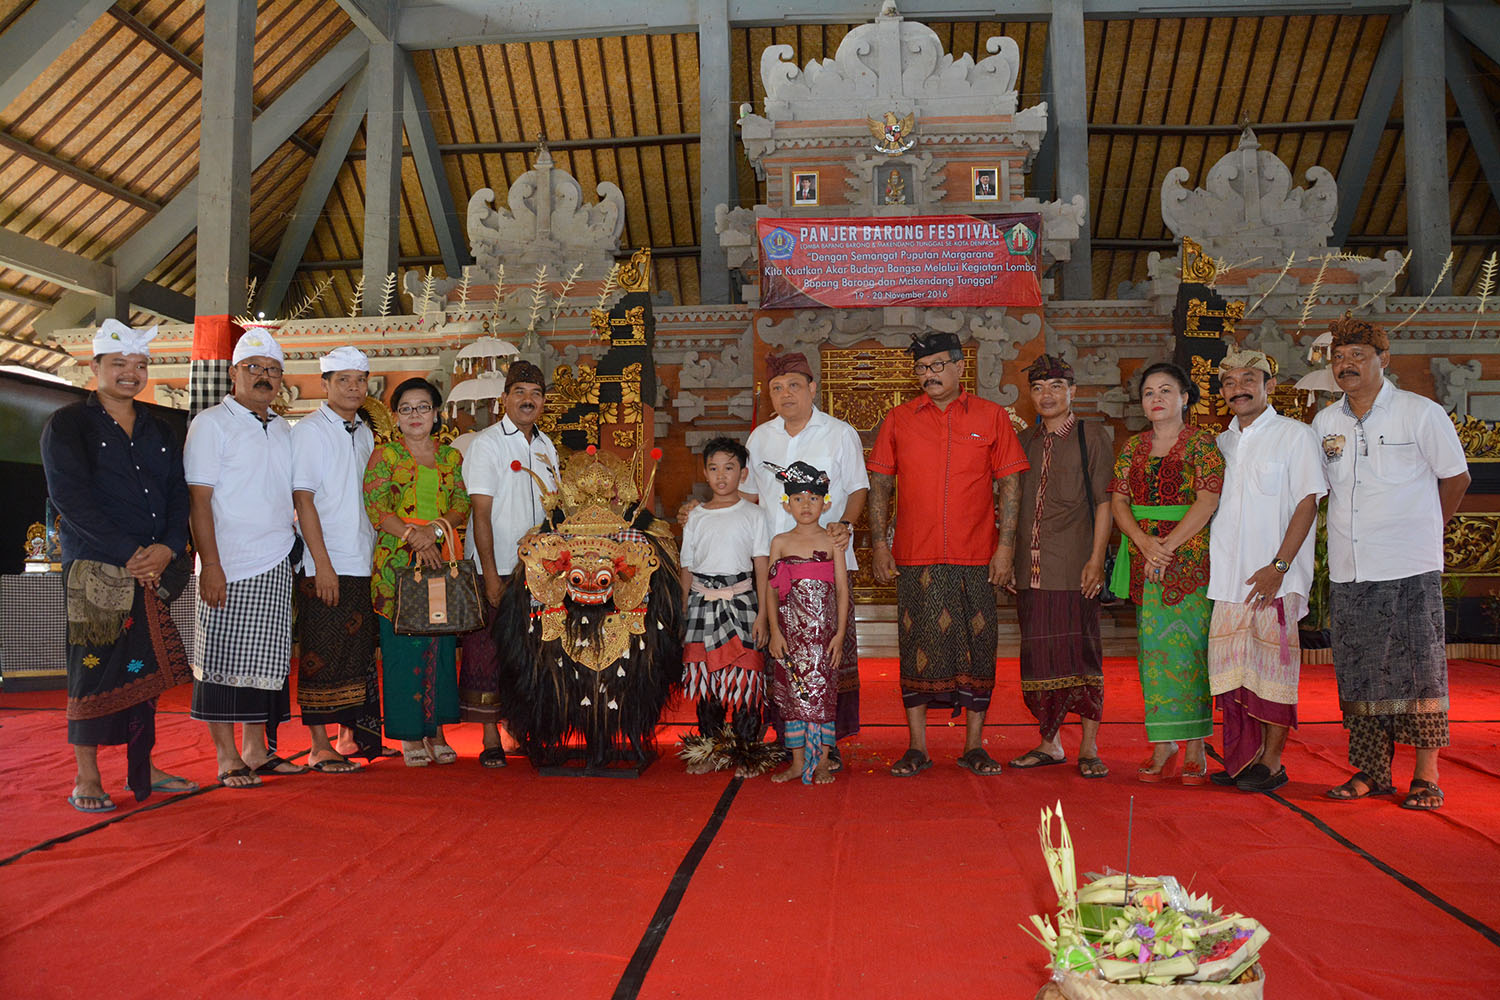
{"x":825,"y":443}
{"x":1268,"y":469}
{"x":249,"y":466}
{"x":724,"y":541}
{"x":329,"y":462}
{"x":1385,"y":519}
{"x":516,"y":502}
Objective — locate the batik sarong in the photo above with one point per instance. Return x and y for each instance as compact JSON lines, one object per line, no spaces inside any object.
{"x":1174,"y":664}
{"x":420,"y":683}
{"x":1254,"y":662}
{"x":1062,"y":658}
{"x":479,"y":673}
{"x":243,"y":652}
{"x":805,"y":686}
{"x":336,"y":674}
{"x":1391,"y":660}
{"x":113,"y":683}
{"x":948,"y":630}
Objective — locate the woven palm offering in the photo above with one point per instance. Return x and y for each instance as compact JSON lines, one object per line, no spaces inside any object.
{"x":1128,"y":936}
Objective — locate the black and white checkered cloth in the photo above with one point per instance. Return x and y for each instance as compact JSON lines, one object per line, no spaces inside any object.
{"x":714,"y":623}
{"x":208,"y":384}
{"x":248,"y":642}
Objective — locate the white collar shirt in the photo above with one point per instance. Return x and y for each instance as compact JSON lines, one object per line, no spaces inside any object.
{"x":248,"y":464}
{"x":329,"y":462}
{"x":516,"y":501}
{"x":1385,"y":518}
{"x":1269,"y":468}
{"x":825,"y":443}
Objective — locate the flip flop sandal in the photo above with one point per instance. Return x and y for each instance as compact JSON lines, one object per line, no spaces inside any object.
{"x":1092,"y":767}
{"x":1035,"y":758}
{"x":492,"y":757}
{"x":333,"y":765}
{"x":1421,"y":789}
{"x":442,"y":753}
{"x":164,"y":785}
{"x":270,"y":764}
{"x":911,"y":764}
{"x":239,"y":772}
{"x":1348,"y":793}
{"x":106,"y":804}
{"x":978,"y":761}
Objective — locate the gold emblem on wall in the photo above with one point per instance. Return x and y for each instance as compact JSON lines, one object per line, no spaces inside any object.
{"x":1471,"y":545}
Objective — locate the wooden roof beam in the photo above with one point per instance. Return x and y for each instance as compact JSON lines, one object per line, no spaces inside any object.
{"x":416,"y":117}
{"x":179,"y":217}
{"x":376,"y":18}
{"x":1477,"y":23}
{"x":1374,"y":112}
{"x":36,"y":38}
{"x":1429,"y":227}
{"x":348,"y":115}
{"x":716,"y":169}
{"x":91,"y":279}
{"x":443,"y":24}
{"x":1474,"y":106}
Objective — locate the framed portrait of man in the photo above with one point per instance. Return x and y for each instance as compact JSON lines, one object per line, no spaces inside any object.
{"x":805,"y":187}
{"x":986,"y":182}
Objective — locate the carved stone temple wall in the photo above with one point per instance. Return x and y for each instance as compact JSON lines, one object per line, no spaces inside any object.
{"x":1267,"y":236}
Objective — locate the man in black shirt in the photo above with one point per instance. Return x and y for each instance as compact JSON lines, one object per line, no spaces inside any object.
{"x":114,"y":473}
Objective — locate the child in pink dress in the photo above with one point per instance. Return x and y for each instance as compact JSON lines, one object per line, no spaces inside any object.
{"x":806,"y":601}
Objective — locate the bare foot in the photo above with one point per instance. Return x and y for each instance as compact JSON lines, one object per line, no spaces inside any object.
{"x":701,"y":767}
{"x":793,"y":772}
{"x":823,"y":773}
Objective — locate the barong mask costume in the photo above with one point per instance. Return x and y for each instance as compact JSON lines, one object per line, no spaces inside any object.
{"x":599,"y":627}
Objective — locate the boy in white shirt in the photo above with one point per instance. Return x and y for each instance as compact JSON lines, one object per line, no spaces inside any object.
{"x":723,"y":573}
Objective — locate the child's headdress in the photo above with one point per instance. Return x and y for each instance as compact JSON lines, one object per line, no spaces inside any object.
{"x":799,"y":477}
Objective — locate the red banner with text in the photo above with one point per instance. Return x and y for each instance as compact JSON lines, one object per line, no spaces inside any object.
{"x":922,"y":260}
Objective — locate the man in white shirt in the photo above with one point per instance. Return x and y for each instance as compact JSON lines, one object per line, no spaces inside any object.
{"x":802,"y":432}
{"x":1260,"y":572}
{"x":238,"y":460}
{"x":507,"y":504}
{"x":1396,"y":473}
{"x":336,"y":683}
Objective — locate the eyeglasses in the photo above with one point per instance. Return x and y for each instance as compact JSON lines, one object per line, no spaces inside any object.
{"x":274,"y":371}
{"x":417,"y":409}
{"x":935,"y":367}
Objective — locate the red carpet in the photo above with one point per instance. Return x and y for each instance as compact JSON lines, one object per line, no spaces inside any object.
{"x":460,"y":882}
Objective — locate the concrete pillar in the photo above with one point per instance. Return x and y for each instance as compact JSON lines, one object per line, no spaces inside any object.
{"x":1065,"y":58}
{"x":1429,"y":232}
{"x":387,"y":79}
{"x":224,"y":157}
{"x":716,"y":185}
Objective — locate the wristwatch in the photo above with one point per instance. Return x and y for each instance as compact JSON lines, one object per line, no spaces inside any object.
{"x":1280,"y":565}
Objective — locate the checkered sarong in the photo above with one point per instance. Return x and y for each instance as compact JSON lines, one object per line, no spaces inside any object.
{"x":248,"y":642}
{"x":208,"y":384}
{"x":736,"y":675}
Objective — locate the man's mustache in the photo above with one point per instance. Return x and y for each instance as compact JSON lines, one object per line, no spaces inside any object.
{"x":262,"y":383}
{"x":1347,"y":371}
{"x":932,"y":381}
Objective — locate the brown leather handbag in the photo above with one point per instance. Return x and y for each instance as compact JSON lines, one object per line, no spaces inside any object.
{"x":443,"y":601}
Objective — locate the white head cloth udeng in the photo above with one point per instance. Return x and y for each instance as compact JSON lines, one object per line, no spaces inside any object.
{"x":114,"y":337}
{"x":344,"y":359}
{"x":257,"y":342}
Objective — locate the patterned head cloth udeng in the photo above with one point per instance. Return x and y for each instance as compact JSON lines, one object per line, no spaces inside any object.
{"x":1247,"y":359}
{"x":935,"y":343}
{"x":114,"y":337}
{"x":799,"y":477}
{"x":1049,"y":366}
{"x":524,"y":371}
{"x":257,"y":342}
{"x":1348,"y":330}
{"x":792,"y":363}
{"x":344,"y":359}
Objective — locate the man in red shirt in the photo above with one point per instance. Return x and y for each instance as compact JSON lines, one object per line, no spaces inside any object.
{"x":945,"y":448}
